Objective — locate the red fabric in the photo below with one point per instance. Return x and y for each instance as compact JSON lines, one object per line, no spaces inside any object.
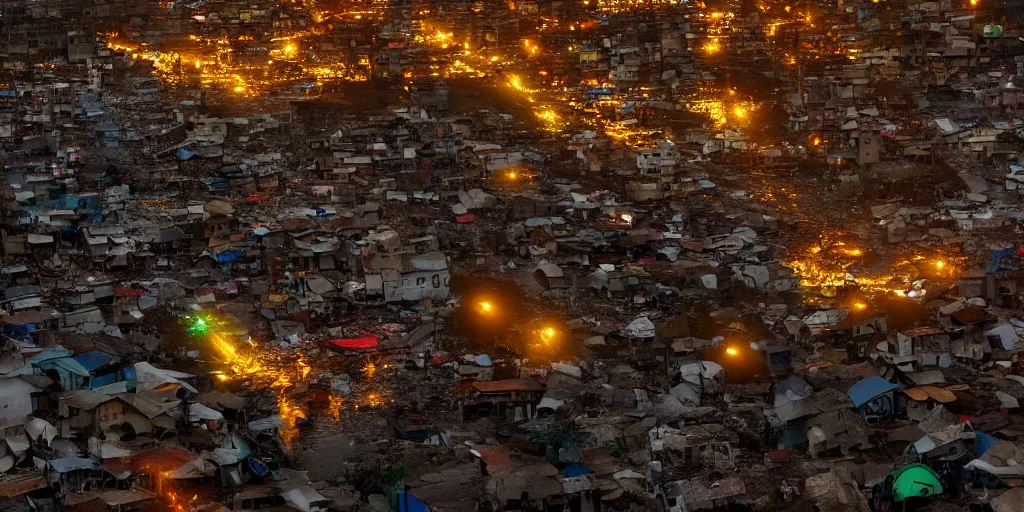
{"x":360,"y":343}
{"x":128,"y":291}
{"x":465,"y":219}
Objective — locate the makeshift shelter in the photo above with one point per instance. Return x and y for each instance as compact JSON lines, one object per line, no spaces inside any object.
{"x":700,"y":378}
{"x":914,"y":480}
{"x":873,"y":397}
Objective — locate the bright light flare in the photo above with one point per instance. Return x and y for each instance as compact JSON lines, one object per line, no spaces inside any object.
{"x":939,"y":264}
{"x":860,"y":306}
{"x":198,"y":327}
{"x":548,"y":334}
{"x":486,"y":307}
{"x":549,"y":117}
{"x":732,"y":352}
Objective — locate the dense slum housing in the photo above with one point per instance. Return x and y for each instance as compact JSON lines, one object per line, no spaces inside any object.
{"x":516,"y":255}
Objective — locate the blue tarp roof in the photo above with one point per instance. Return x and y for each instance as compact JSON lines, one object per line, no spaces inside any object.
{"x":92,"y":360}
{"x":184,"y":154}
{"x":867,"y":389}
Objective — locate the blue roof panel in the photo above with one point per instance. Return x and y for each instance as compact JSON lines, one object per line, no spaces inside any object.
{"x":92,"y":360}
{"x":869,"y":388}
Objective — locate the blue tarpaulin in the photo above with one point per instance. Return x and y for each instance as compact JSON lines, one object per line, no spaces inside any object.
{"x":996,"y":259}
{"x":982,"y":442}
{"x":229,"y":256}
{"x":94,"y":359}
{"x":184,"y":154}
{"x":18,"y":332}
{"x":408,"y":503}
{"x":575,"y":470}
{"x":869,"y":388}
{"x":126,"y":374}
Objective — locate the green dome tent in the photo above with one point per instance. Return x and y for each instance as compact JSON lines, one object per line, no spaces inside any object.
{"x":914,"y":480}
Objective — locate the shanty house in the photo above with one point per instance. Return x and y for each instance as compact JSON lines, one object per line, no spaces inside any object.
{"x":512,"y":399}
{"x":874,"y":397}
{"x":925,"y":346}
{"x":424,"y":276}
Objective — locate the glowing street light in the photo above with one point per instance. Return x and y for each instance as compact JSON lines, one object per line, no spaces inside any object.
{"x":939,"y":264}
{"x":732,"y":352}
{"x":486,"y":307}
{"x":548,"y":334}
